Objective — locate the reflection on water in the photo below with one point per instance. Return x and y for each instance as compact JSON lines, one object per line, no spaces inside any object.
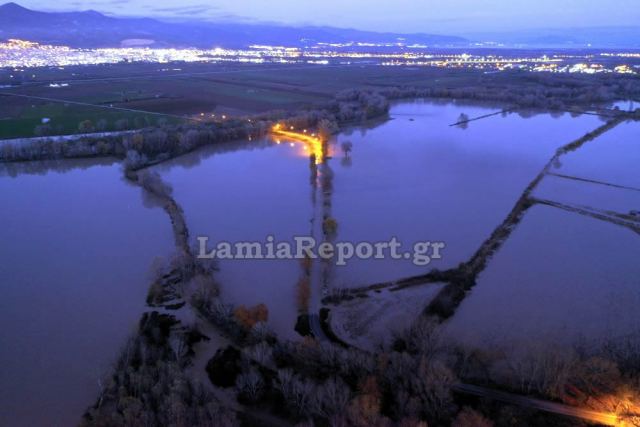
{"x":626,"y":105}
{"x":312,"y":145}
{"x":76,"y":246}
{"x":44,"y":167}
{"x":196,"y":157}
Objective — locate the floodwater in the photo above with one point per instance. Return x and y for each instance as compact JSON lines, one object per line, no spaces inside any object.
{"x":76,"y":247}
{"x":77,"y":240}
{"x":417,"y":178}
{"x":585,"y":194}
{"x":413,"y":177}
{"x":626,"y":105}
{"x":561,"y":278}
{"x":244,"y":192}
{"x":611,"y":158}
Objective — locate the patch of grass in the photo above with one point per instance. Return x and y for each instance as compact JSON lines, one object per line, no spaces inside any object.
{"x":65,"y":119}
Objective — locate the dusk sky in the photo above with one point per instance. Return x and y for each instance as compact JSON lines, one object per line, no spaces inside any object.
{"x":430,"y":16}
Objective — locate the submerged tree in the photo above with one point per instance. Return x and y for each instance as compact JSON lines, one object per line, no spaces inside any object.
{"x":463,"y":121}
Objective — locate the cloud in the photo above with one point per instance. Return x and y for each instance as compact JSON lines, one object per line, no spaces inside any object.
{"x":186,"y":10}
{"x":202,"y":12}
{"x":102,"y":6}
{"x":98,"y":3}
{"x":240,"y":19}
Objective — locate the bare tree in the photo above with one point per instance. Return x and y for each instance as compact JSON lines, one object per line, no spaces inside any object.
{"x":296,"y":392}
{"x":331,"y":398}
{"x":250,"y":385}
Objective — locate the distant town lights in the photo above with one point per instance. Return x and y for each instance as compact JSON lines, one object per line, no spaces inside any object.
{"x":21,"y":54}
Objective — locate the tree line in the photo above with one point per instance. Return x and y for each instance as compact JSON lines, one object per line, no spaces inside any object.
{"x":153,"y":145}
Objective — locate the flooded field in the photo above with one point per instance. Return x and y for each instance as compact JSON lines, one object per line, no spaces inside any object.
{"x":587,"y":194}
{"x":612,"y":158}
{"x":625,"y":105}
{"x":417,"y":178}
{"x":79,"y":241}
{"x":567,"y":275}
{"x":238,"y":193}
{"x":77,"y":246}
{"x":413,"y":177}
{"x":561,"y":278}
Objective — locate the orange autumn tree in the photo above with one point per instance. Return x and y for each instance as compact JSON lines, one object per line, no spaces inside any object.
{"x":248,"y":317}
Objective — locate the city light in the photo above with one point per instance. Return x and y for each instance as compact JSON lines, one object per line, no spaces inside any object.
{"x":22,"y":54}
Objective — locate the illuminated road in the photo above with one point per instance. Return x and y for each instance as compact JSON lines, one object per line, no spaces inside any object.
{"x":315,"y":146}
{"x":313,"y":142}
{"x":608,"y":419}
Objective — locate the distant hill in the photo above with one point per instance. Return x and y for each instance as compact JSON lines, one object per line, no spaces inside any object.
{"x":93,"y":29}
{"x":601,"y":37}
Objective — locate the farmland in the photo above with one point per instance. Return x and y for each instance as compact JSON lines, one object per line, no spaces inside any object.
{"x":144,"y":94}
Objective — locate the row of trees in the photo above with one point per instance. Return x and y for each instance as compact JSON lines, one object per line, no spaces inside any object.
{"x":411,"y":383}
{"x":605,"y":379}
{"x":51,"y":149}
{"x":101,"y":125}
{"x":357,"y":105}
{"x":318,"y":383}
{"x":166,"y":141}
{"x":536,"y":91}
{"x":154,"y":145}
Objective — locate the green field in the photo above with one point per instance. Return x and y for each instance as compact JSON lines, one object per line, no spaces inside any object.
{"x":65,"y":119}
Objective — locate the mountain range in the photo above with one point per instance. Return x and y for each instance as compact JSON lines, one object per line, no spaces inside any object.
{"x":91,"y":29}
{"x":601,"y":37}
